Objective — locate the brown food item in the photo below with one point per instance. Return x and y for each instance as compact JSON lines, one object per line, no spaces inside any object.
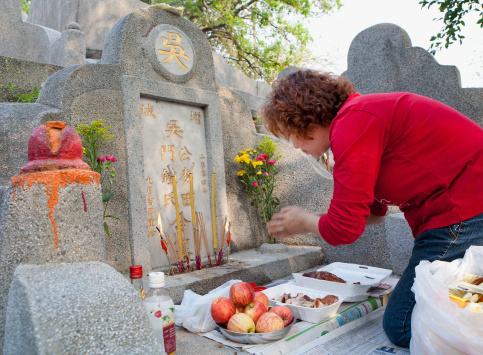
{"x":324,"y":275}
{"x":305,"y":301}
{"x":329,"y":299}
{"x":478,"y":281}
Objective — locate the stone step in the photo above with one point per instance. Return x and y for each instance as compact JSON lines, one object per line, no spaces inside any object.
{"x":251,"y":265}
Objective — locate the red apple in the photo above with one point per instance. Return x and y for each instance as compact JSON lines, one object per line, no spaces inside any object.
{"x":222,"y":309}
{"x":284,"y":312}
{"x":261,"y":297}
{"x":241,"y":293}
{"x":269,"y":322}
{"x":255,"y":310}
{"x":240,"y":309}
{"x":241,"y":323}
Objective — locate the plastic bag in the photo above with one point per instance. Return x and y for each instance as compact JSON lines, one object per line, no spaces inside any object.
{"x":439,"y":326}
{"x":194,"y":312}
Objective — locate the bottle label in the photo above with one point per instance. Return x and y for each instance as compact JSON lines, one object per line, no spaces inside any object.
{"x":162,"y":318}
{"x":169,"y":334}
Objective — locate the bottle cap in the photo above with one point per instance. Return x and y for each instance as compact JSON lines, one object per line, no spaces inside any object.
{"x":136,"y":272}
{"x":156,"y":279}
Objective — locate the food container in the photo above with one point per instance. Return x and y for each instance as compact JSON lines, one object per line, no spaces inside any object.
{"x":312,"y":315}
{"x":359,"y":278}
{"x":255,"y":338}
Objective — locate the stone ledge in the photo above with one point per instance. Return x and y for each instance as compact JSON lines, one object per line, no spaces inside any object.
{"x":247,"y":265}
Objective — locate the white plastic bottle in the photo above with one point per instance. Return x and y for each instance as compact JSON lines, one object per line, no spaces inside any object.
{"x":160,"y":308}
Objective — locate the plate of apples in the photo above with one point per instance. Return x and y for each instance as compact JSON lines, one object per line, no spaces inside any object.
{"x":246,"y":316}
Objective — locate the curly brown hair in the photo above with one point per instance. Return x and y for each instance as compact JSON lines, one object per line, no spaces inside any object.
{"x":302,"y":98}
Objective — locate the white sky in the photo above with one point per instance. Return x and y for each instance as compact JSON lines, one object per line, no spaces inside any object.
{"x":333,"y":33}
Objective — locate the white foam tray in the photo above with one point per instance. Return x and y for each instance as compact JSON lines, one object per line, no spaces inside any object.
{"x":312,"y":315}
{"x":367,"y":276}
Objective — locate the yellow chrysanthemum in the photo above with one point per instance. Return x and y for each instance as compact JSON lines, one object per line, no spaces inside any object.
{"x":259,"y":173}
{"x":245,"y":159}
{"x":237,"y":159}
{"x":257,"y":163}
{"x":240,"y":172}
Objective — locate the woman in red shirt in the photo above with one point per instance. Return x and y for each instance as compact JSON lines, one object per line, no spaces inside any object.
{"x":397,"y":149}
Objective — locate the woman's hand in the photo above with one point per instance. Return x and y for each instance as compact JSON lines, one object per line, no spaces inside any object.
{"x":293,"y":220}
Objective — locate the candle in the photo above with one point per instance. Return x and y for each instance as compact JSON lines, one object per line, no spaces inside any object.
{"x":179,"y":230}
{"x":192,"y":203}
{"x":213,"y":209}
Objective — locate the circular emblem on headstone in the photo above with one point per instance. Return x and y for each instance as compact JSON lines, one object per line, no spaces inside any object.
{"x":171,"y":52}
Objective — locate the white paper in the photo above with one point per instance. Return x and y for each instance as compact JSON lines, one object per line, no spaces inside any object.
{"x":364,"y":336}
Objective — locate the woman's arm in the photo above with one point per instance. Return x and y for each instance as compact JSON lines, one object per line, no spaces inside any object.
{"x":293,"y":220}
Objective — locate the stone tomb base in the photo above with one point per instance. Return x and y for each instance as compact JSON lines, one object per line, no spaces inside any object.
{"x":247,"y":265}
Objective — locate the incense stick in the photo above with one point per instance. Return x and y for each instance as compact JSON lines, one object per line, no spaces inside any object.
{"x":222,"y":244}
{"x":197,"y":243}
{"x":204,"y":236}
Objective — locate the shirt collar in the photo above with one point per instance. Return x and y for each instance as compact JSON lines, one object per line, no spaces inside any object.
{"x":350,"y":98}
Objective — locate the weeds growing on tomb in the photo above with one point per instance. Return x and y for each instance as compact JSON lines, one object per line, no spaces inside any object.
{"x":95,"y":136}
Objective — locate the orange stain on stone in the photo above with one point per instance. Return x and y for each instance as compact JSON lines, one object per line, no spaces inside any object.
{"x":53,"y":180}
{"x":54,"y":132}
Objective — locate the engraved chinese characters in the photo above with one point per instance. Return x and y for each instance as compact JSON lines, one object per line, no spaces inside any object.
{"x":174,"y":147}
{"x":171,"y":52}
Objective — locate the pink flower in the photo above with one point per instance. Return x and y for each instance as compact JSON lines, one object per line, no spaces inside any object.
{"x":262,"y":157}
{"x":111,"y":158}
{"x":254,"y":184}
{"x":271,"y":162}
{"x":265,"y":174}
{"x":104,"y":158}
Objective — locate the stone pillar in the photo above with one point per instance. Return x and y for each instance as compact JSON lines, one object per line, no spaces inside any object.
{"x":52,"y":211}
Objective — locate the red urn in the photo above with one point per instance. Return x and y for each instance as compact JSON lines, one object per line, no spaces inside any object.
{"x":53,"y":146}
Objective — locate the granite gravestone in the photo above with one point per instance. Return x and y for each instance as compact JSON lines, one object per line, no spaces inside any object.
{"x":35,"y":43}
{"x":96,"y":17}
{"x":382,"y":59}
{"x":155,"y":85}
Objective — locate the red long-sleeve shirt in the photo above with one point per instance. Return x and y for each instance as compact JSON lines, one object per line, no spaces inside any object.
{"x":406,"y":150}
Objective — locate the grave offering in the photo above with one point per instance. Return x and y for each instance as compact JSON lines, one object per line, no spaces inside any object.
{"x":243,"y":319}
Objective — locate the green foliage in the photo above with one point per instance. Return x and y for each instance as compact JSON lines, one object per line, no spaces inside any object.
{"x":11,"y":93}
{"x":267,"y":146}
{"x":261,"y":37}
{"x":29,"y":97}
{"x":25,"y":5}
{"x":95,"y":135}
{"x":257,"y":175}
{"x":454,"y":11}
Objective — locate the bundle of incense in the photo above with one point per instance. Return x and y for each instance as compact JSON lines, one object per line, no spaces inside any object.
{"x":188,"y":262}
{"x":228,"y":240}
{"x":222,"y":239}
{"x":186,"y":245}
{"x":204,"y":237}
{"x":180,"y":266}
{"x":179,"y":260}
{"x":197,"y":243}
